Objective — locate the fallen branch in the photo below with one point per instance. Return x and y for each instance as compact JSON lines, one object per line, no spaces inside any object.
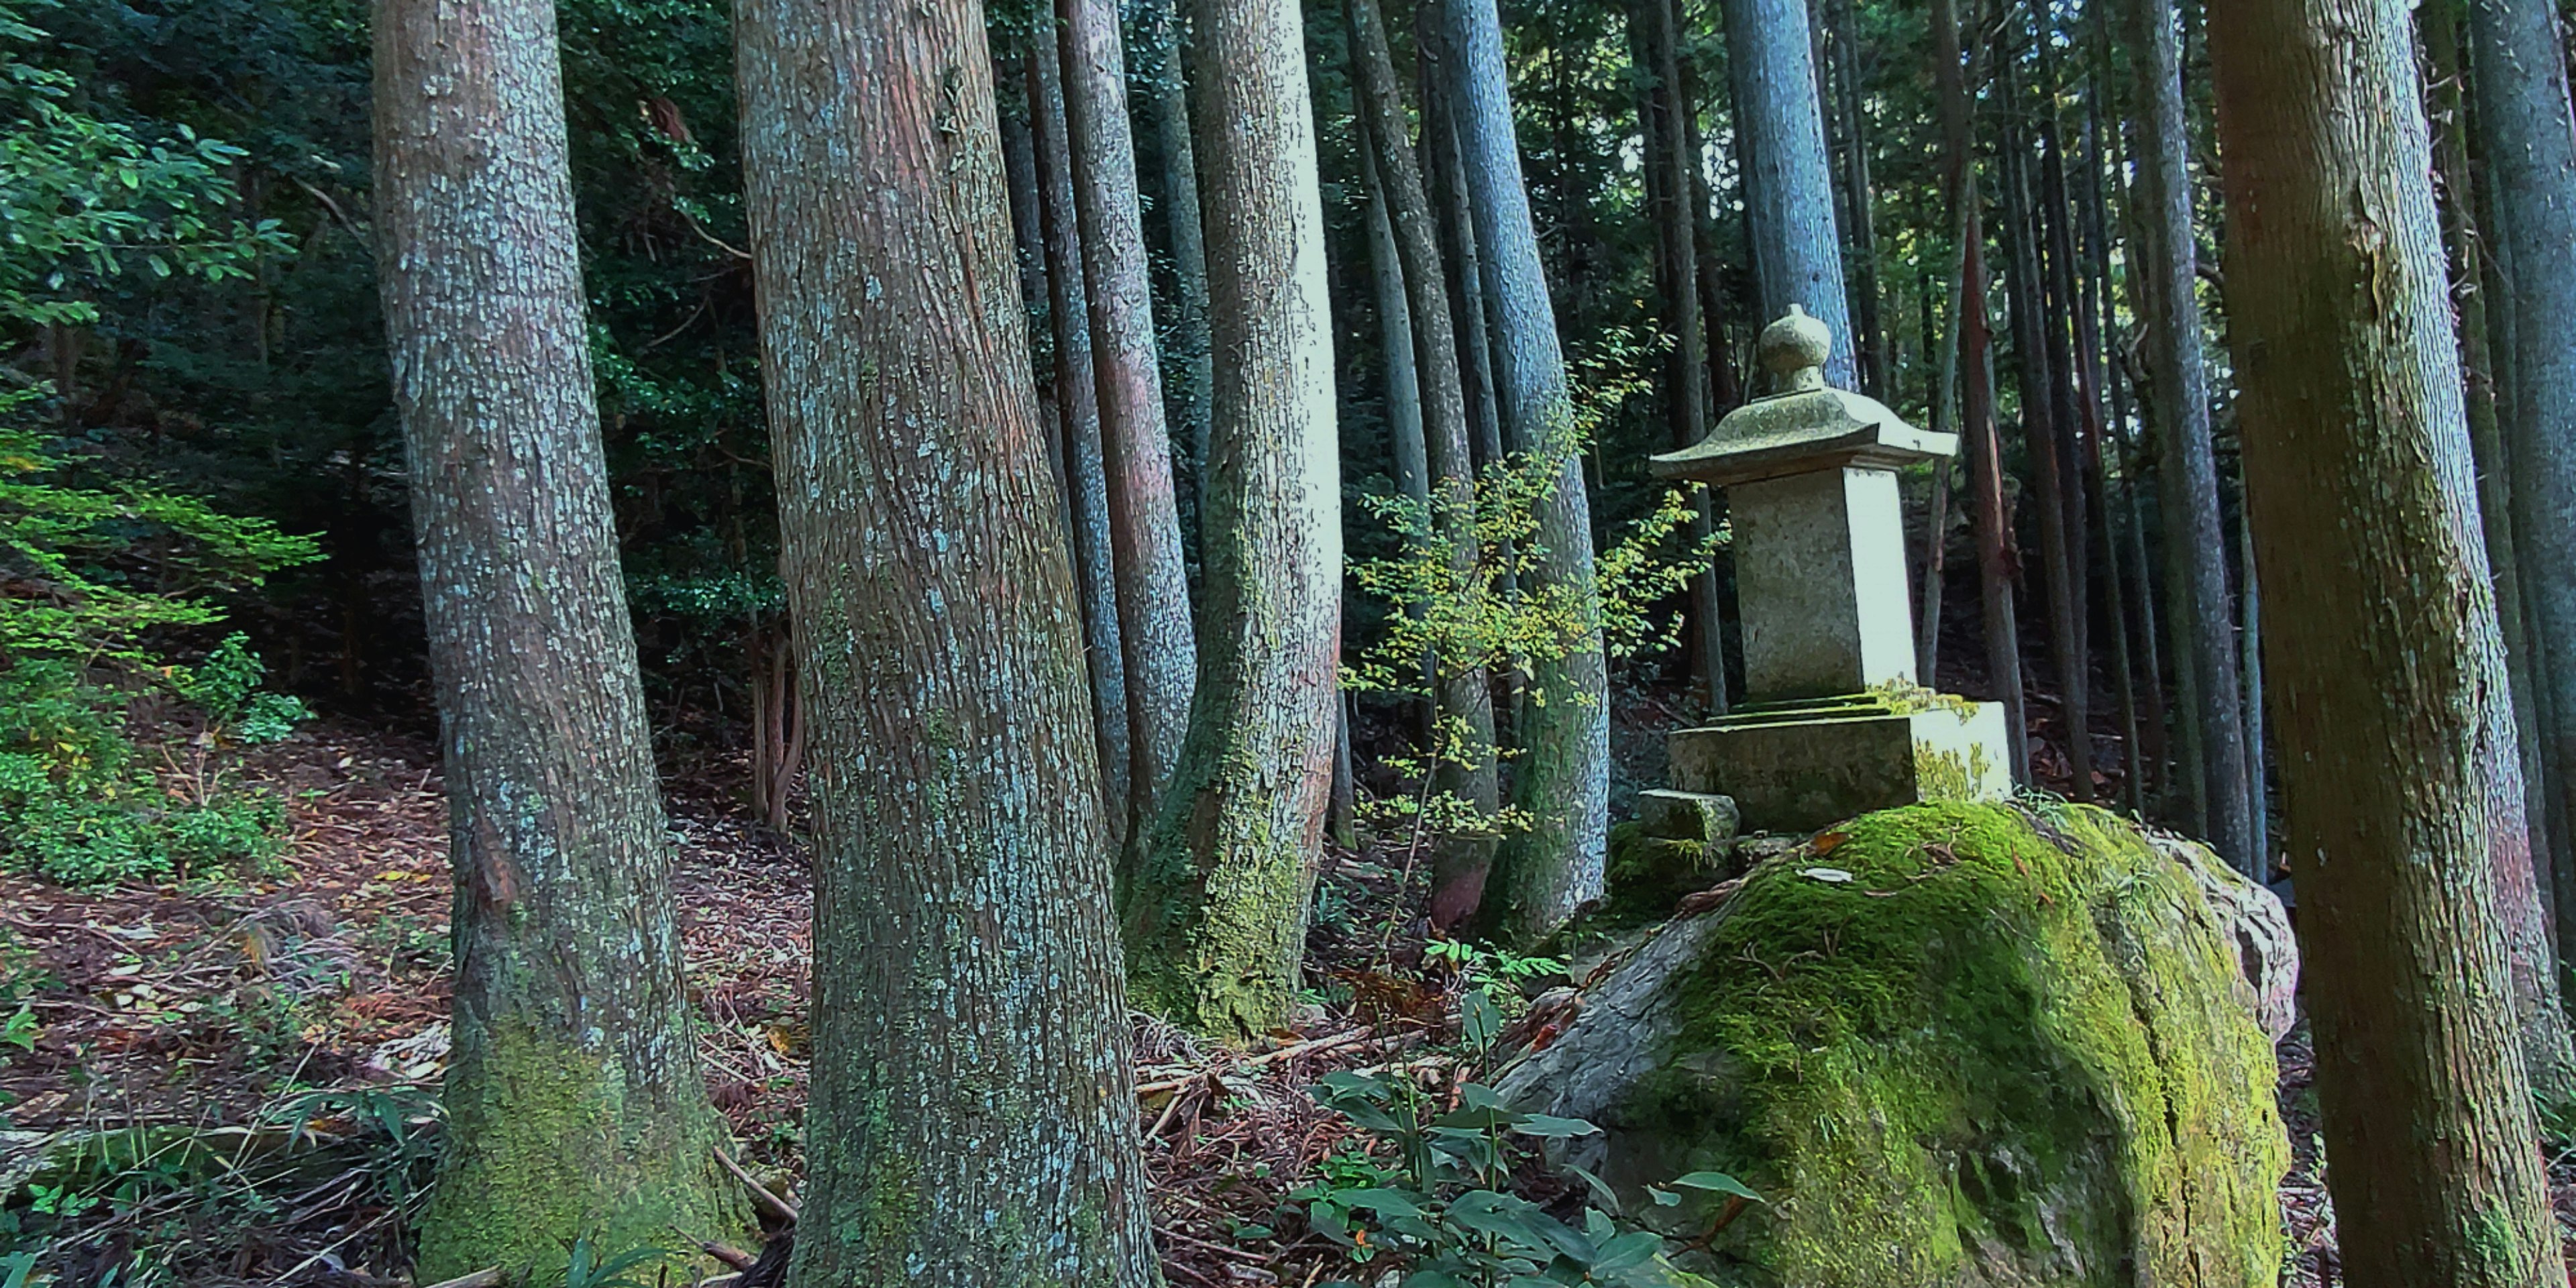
{"x":487,"y":1277}
{"x":1351,"y":1038}
{"x":761,"y":1195}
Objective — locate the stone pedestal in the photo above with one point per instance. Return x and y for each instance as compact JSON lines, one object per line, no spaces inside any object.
{"x":1800,"y":767}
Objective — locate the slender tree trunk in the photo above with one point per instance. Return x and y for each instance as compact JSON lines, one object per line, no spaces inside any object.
{"x":2439,"y":27}
{"x":1673,"y":187}
{"x":1788,"y":180}
{"x":1466,"y":771}
{"x":1168,"y":100}
{"x":1395,"y":341}
{"x":1724,"y":390}
{"x":1077,"y":400}
{"x":1945,"y":420}
{"x":1218,"y":924}
{"x":2202,"y":615}
{"x":1461,"y":262}
{"x":1562,"y":780}
{"x":1877,"y":371}
{"x":963,"y":973}
{"x":2092,"y":272}
{"x":2391,"y":676}
{"x":1977,"y":399}
{"x":574,"y":1105}
{"x":2530,"y":154}
{"x":1161,"y":659}
{"x":2035,"y":354}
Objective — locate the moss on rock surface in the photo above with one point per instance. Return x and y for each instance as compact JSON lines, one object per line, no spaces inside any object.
{"x":1953,"y":1044}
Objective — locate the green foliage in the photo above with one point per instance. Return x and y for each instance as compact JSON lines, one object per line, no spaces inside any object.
{"x":79,"y":804}
{"x":1432,"y":1194}
{"x":1452,"y":613}
{"x":83,"y":200}
{"x":584,"y":1267}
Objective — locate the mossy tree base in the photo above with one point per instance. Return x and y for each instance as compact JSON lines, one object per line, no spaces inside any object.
{"x":549,"y":1144}
{"x":1953,"y":1044}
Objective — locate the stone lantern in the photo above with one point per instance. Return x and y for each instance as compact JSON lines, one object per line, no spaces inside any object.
{"x":1833,"y":723}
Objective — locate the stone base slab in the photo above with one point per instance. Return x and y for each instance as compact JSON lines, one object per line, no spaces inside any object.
{"x":1803,"y":766}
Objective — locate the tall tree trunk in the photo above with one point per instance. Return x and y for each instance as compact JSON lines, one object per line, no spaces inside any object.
{"x":963,"y":971}
{"x":1077,"y":400}
{"x":574,"y":1105}
{"x":1168,"y":100}
{"x":1218,"y":923}
{"x":1725,"y":391}
{"x":1395,"y":342}
{"x":1562,"y":780}
{"x":2035,"y":355}
{"x":1869,"y":341}
{"x":1161,"y":659}
{"x":2395,"y":766}
{"x":2439,"y":28}
{"x":2091,"y":267}
{"x":1462,"y":264}
{"x":1466,"y":771}
{"x":1977,"y":398}
{"x":1945,"y":420}
{"x":2530,"y":155}
{"x":1673,"y":190}
{"x":2202,"y":616}
{"x":1788,"y":181}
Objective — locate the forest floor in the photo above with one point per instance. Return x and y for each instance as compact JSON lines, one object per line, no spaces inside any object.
{"x":254,"y":1062}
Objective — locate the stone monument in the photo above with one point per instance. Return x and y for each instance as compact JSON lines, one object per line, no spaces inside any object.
{"x":1834,"y":723}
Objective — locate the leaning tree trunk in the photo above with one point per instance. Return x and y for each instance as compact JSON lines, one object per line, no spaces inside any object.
{"x":574,"y":1105}
{"x":1562,"y":779}
{"x":2396,"y":767}
{"x":2530,"y":155}
{"x":1077,"y":401}
{"x":972,"y":1120}
{"x":1217,"y":922}
{"x":2202,"y":617}
{"x":1788,"y":181}
{"x":1464,"y":762}
{"x":1144,"y":521}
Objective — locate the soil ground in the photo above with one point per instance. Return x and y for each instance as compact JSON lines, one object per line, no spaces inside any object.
{"x":268,"y":1049}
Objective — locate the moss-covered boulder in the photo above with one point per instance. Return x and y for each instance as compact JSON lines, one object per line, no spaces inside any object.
{"x":1950,"y":1044}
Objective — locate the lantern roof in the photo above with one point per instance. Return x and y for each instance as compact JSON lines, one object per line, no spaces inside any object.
{"x":1806,"y":425}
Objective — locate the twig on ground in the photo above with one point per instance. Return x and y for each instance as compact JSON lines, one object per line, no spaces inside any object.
{"x":1272,"y":1057}
{"x":487,"y":1277}
{"x":762,"y":1196}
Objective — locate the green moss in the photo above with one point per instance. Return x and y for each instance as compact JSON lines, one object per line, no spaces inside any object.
{"x":544,"y":1147}
{"x":2001,"y":1043}
{"x":1646,"y":873}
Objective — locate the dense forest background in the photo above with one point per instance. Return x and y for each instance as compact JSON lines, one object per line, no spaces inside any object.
{"x":248,"y":585}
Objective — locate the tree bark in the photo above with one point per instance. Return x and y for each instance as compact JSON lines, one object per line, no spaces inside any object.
{"x":1168,"y":99}
{"x":1788,"y":180}
{"x":2530,"y":156}
{"x":1161,"y":660}
{"x":963,"y":973}
{"x":2201,"y":614}
{"x":1977,"y":397}
{"x":1217,"y":924}
{"x":1465,"y":699}
{"x":2439,"y":26}
{"x":1562,"y":780}
{"x":2390,"y":675}
{"x":574,"y":1105}
{"x":1077,"y":400}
